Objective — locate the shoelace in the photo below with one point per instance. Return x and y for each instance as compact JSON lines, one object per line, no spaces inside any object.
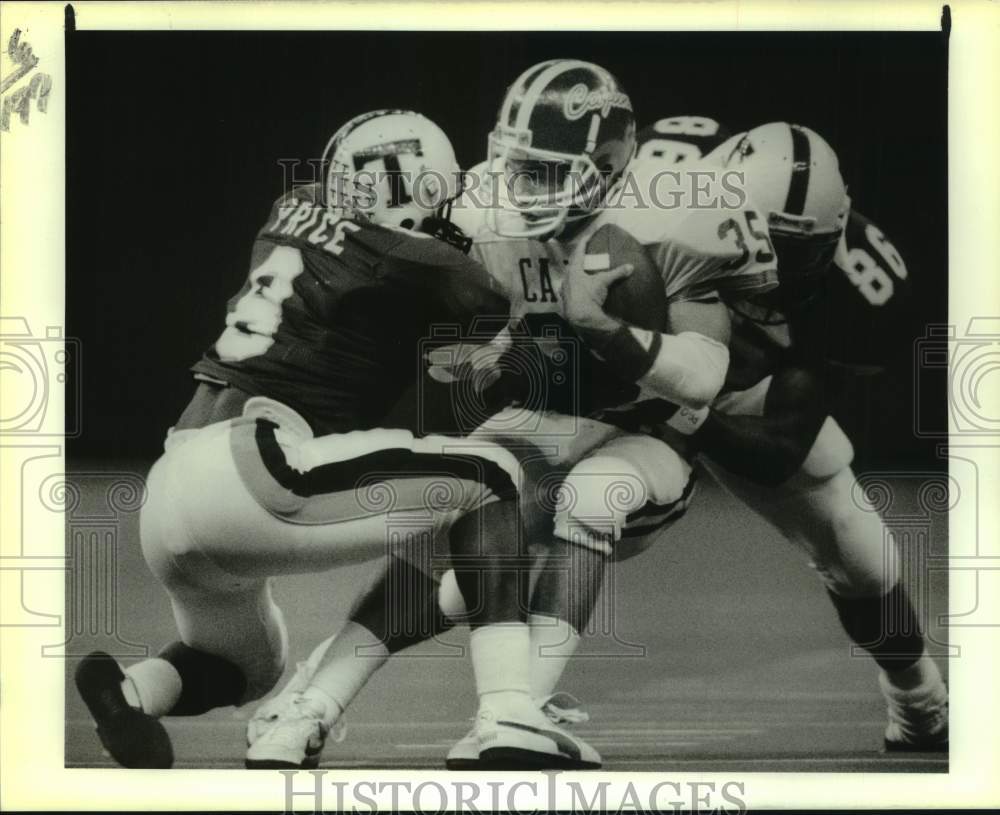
{"x":336,"y":731}
{"x":270,"y":710}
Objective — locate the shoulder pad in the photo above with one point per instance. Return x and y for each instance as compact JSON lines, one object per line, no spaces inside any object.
{"x":310,"y":193}
{"x":702,"y":236}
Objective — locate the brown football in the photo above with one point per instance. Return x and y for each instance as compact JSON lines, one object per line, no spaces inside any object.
{"x":639,"y":299}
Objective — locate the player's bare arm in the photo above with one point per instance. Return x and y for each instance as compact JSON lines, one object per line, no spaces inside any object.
{"x":770,"y":448}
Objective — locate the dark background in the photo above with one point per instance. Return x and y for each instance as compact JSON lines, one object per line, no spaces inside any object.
{"x":174,"y":139}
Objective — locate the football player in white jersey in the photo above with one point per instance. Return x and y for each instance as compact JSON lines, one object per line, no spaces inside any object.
{"x":771,"y":438}
{"x":557,"y":173}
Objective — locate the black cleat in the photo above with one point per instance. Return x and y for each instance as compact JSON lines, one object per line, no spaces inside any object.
{"x":918,"y":719}
{"x":133,"y":738}
{"x":929,"y":746}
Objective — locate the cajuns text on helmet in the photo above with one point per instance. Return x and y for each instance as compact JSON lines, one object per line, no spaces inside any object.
{"x":564,"y":135}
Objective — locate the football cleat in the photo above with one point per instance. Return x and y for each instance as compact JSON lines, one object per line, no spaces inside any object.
{"x":134,"y":739}
{"x":560,"y":708}
{"x":464,"y":754}
{"x":294,"y":740}
{"x":529,"y":741}
{"x":918,"y":719}
{"x":266,"y":716}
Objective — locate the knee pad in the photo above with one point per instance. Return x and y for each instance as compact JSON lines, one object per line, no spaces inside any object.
{"x":594,"y":500}
{"x":645,"y":526}
{"x":631,"y":483}
{"x":450,"y":600}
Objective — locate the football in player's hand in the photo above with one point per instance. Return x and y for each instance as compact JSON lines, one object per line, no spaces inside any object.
{"x":639,"y":299}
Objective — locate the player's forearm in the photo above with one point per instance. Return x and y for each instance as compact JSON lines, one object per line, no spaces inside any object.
{"x":768,"y":449}
{"x":688,"y":369}
{"x":756,"y":447}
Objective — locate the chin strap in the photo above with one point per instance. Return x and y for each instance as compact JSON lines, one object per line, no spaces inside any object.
{"x":440,"y":226}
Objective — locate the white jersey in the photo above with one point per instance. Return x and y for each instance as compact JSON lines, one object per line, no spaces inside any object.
{"x":699,"y":250}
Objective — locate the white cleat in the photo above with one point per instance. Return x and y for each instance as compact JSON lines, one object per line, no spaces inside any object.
{"x":265,"y":716}
{"x":918,"y":719}
{"x":529,"y":740}
{"x":293,"y":739}
{"x":464,"y":754}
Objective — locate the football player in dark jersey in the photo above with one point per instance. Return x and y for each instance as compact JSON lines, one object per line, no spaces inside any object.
{"x":284,"y":461}
{"x":773,"y":437}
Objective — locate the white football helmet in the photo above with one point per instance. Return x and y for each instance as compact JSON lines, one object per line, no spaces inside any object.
{"x":794,"y":175}
{"x":394,"y":167}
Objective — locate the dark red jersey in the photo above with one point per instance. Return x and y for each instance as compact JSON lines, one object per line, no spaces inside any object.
{"x":336,"y":315}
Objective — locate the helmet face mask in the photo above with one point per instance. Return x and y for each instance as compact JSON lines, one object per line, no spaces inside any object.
{"x":805,"y":261}
{"x":391,"y":167}
{"x":544,"y":187}
{"x":565,"y":134}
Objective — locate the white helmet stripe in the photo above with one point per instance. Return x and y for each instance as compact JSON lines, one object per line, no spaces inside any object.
{"x":515,"y":94}
{"x":595,"y":128}
{"x":541,"y":82}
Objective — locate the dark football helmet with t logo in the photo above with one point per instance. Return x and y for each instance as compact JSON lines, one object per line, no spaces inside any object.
{"x":563,"y":138}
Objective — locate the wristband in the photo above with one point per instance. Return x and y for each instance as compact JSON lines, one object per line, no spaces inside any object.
{"x":687,"y":420}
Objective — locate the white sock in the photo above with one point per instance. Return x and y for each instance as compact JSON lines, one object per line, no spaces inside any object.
{"x":153,"y":686}
{"x":328,"y":707}
{"x":316,"y":657}
{"x":553,"y":643}
{"x":346,"y":665}
{"x":501,"y":662}
{"x":922,"y":674}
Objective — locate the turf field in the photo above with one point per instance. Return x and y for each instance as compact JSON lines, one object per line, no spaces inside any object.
{"x":726,"y":656}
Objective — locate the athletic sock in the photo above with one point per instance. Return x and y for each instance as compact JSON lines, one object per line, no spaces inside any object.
{"x":553,"y":643}
{"x":153,"y":685}
{"x":347,"y":664}
{"x":329,"y":708}
{"x":501,"y":662}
